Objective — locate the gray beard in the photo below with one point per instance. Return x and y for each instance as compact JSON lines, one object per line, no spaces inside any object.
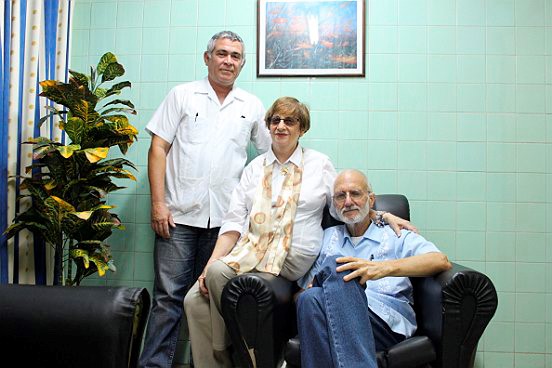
{"x":362,"y":213}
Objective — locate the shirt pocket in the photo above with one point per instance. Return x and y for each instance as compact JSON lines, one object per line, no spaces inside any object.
{"x":239,"y":131}
{"x":197,"y":130}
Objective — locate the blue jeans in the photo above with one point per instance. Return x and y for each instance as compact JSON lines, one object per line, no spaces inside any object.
{"x":178,"y":262}
{"x":336,"y":327}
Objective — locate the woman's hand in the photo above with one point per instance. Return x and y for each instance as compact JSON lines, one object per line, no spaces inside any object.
{"x":201,"y":279}
{"x":398,"y":223}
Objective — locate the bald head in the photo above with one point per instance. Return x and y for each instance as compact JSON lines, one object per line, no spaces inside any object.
{"x":353,"y":176}
{"x":353,"y":196}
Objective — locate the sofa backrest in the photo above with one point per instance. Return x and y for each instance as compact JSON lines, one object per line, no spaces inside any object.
{"x":62,"y":326}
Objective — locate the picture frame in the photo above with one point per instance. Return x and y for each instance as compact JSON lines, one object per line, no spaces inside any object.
{"x":310,"y":38}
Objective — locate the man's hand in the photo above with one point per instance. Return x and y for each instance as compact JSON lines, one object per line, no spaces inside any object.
{"x":161,"y":219}
{"x":398,"y":223}
{"x":363,"y":269}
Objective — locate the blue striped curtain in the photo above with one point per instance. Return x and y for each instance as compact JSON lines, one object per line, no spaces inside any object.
{"x":35,"y":46}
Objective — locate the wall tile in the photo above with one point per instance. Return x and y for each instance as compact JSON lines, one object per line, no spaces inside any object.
{"x":382,"y":96}
{"x":501,"y":69}
{"x":500,"y":246}
{"x":470,"y":13}
{"x":530,"y":69}
{"x":531,"y":187}
{"x":530,"y":277}
{"x":442,"y":68}
{"x":470,"y":245}
{"x":471,"y":97}
{"x":470,"y":69}
{"x":530,"y":13}
{"x":412,"y":39}
{"x":503,"y":360}
{"x":155,"y":40}
{"x":441,"y":126}
{"x":353,"y":96}
{"x":382,"y":39}
{"x":529,"y":41}
{"x":383,"y":125}
{"x":442,"y":97}
{"x":359,"y":160}
{"x":382,"y":68}
{"x":337,"y":124}
{"x":500,"y":336}
{"x":321,"y":99}
{"x":183,"y":13}
{"x":239,"y":12}
{"x":500,"y":40}
{"x":500,"y":12}
{"x":531,"y":128}
{"x":502,"y":274}
{"x":530,"y":157}
{"x":130,"y":14}
{"x":530,"y":247}
{"x":382,"y":12}
{"x":441,"y":39}
{"x":500,"y":216}
{"x":531,"y":217}
{"x":530,"y":98}
{"x":529,"y":338}
{"x":413,"y":184}
{"x":501,"y":127}
{"x":412,"y":155}
{"x":412,"y":68}
{"x":413,"y":12}
{"x":352,"y":125}
{"x":471,"y":127}
{"x":470,"y":186}
{"x":529,"y":360}
{"x":158,"y":13}
{"x":470,"y":40}
{"x":412,"y":126}
{"x":471,"y":156}
{"x":412,"y":97}
{"x":441,"y":12}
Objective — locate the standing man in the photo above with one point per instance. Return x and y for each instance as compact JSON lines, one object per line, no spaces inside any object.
{"x":360,"y":278}
{"x":198,"y":150}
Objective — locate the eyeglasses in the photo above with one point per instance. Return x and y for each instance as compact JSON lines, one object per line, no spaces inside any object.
{"x":275,"y":120}
{"x":355,"y":195}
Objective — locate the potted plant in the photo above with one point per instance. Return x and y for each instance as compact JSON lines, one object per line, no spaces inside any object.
{"x":68,"y":183}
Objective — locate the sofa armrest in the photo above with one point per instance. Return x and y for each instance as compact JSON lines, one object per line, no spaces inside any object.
{"x":260,"y":317}
{"x":453,"y":309}
{"x":85,"y":326}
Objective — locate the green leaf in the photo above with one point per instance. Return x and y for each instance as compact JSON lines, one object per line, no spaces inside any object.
{"x":118,"y":101}
{"x":120,"y":109}
{"x":105,"y":60}
{"x":112,"y":71}
{"x":67,"y":151}
{"x":117,"y":87}
{"x":82,"y":79}
{"x":96,"y":154}
{"x":100,"y":93}
{"x":75,"y":128}
{"x":80,"y":253}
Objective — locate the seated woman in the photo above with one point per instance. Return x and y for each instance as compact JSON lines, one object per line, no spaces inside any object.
{"x":273,"y":225}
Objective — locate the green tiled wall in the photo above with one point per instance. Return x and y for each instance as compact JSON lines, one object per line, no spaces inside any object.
{"x":454,"y":112}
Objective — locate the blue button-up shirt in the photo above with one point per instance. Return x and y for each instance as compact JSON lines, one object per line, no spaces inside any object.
{"x":390,"y":297}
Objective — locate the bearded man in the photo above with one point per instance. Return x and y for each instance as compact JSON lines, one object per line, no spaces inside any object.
{"x":360,"y":279}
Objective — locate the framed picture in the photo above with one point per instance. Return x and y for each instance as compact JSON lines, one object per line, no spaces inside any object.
{"x":310,"y":38}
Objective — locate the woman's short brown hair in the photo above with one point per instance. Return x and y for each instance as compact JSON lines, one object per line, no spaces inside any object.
{"x":290,"y":107}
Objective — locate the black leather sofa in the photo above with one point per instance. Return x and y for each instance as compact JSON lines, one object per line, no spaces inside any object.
{"x":453,"y":309}
{"x":68,"y":327}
